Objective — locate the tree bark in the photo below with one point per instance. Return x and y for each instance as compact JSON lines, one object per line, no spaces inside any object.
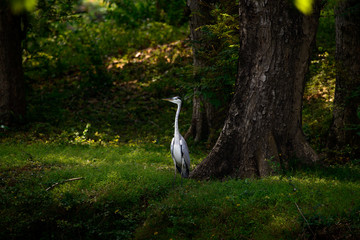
{"x":264,"y":119}
{"x":203,"y":115}
{"x":347,"y":92}
{"x":12,"y":94}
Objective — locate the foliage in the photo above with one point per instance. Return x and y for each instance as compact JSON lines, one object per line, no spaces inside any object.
{"x":21,"y":6}
{"x":76,"y":43}
{"x":78,"y":66}
{"x":304,"y":6}
{"x":320,"y":87}
{"x":325,"y":38}
{"x":319,"y":97}
{"x":215,"y":80}
{"x":218,"y":78}
{"x":134,"y":13}
{"x":123,"y":107}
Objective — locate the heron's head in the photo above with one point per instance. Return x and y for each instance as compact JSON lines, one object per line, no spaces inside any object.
{"x":175,"y":100}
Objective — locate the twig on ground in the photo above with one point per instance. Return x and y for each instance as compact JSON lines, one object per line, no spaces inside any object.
{"x":62,"y":182}
{"x":298,"y":208}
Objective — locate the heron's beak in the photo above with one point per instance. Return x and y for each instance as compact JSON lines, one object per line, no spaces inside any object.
{"x":167,"y":99}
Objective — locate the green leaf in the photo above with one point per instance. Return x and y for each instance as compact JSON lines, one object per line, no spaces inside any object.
{"x":19,"y":6}
{"x":304,"y":6}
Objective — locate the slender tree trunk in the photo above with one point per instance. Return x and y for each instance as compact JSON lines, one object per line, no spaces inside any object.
{"x":264,"y":119}
{"x":203,"y":114}
{"x":12,"y":95}
{"x":347,"y":93}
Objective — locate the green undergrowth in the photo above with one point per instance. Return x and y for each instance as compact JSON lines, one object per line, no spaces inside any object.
{"x":107,"y":65}
{"x":126,"y":191}
{"x":320,"y":87}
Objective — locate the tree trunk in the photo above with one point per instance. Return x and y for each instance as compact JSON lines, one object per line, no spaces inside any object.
{"x":12,"y":94}
{"x":263,"y":126}
{"x":347,"y":93}
{"x":203,"y":115}
{"x":203,"y":121}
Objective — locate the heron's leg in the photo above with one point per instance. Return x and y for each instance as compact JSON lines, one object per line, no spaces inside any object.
{"x":182,"y":169}
{"x":174,"y":176}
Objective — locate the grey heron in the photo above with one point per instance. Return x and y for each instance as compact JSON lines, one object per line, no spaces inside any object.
{"x":178,"y":148}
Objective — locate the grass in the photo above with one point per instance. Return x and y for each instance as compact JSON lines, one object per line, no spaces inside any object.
{"x":127,"y":192}
{"x":116,"y":181}
{"x":252,"y":209}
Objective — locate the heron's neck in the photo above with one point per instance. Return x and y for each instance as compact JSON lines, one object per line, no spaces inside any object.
{"x":177,"y":133}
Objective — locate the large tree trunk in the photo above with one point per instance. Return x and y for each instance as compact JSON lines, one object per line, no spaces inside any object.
{"x":264,"y":119}
{"x":12,"y":95}
{"x":347,"y":92}
{"x":203,"y":115}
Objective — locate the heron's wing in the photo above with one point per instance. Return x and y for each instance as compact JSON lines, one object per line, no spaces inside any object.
{"x":172,"y":155}
{"x":185,"y":150}
{"x":185,"y":154}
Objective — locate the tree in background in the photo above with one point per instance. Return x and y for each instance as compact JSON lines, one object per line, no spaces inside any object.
{"x":203,"y":110}
{"x":264,"y":120}
{"x":214,"y":37}
{"x":13,"y":30}
{"x":12,"y":89}
{"x":345,"y":128}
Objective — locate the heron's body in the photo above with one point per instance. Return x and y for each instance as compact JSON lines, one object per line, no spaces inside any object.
{"x":180,"y":156}
{"x":178,"y":148}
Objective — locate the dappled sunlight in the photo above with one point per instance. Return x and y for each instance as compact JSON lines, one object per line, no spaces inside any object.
{"x":64,"y":159}
{"x":322,"y":84}
{"x":306,"y":179}
{"x":168,"y":52}
{"x":279,"y":224}
{"x":319,"y":97}
{"x":96,"y":2}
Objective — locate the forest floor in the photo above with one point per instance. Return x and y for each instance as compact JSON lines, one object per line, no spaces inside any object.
{"x":127,"y":191}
